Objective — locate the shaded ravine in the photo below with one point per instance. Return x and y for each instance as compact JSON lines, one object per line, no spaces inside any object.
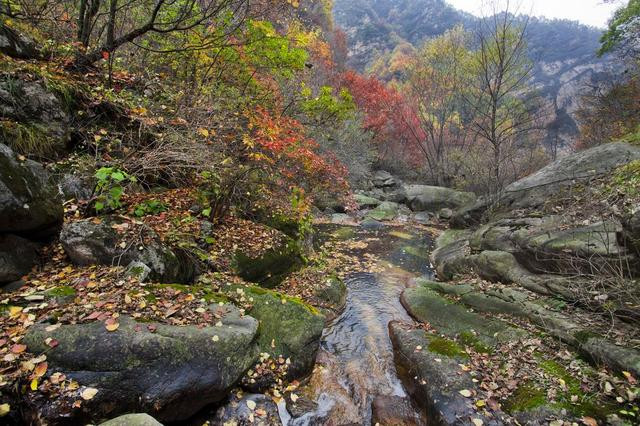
{"x":355,"y":367}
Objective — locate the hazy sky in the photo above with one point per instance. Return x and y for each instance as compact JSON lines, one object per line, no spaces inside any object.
{"x":590,"y":12}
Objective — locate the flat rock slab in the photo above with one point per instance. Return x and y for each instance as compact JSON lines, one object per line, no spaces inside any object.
{"x":426,"y":305}
{"x":434,"y":380}
{"x":167,"y":371}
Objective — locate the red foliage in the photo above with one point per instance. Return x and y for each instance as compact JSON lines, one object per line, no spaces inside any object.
{"x":387,"y":114}
{"x":282,"y":144}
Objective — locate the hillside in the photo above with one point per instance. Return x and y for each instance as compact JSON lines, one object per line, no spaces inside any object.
{"x":564,"y":51}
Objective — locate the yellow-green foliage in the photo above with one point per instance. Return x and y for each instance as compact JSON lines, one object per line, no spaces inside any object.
{"x":626,"y":179}
{"x":27,"y":139}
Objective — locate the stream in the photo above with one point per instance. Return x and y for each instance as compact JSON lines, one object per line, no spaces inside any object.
{"x":355,"y":380}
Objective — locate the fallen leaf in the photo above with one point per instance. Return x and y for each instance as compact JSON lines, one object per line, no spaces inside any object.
{"x":4,"y":409}
{"x":40,"y":369}
{"x":111,"y":324}
{"x":34,"y":385}
{"x":477,"y":422}
{"x":466,"y":393}
{"x":89,"y":393}
{"x":251,"y":404}
{"x":589,"y":421}
{"x":18,"y":349}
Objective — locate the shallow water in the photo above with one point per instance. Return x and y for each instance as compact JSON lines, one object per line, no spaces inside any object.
{"x":355,"y":362}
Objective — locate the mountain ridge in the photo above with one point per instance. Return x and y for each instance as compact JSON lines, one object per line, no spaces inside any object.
{"x":563,"y":51}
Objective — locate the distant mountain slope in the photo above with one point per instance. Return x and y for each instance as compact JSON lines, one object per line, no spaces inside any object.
{"x":564,"y":51}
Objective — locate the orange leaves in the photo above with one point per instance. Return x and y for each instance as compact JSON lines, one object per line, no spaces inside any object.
{"x":280,"y":144}
{"x":111,"y":324}
{"x":18,"y":349}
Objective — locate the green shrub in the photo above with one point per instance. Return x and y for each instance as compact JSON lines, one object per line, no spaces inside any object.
{"x":149,"y":207}
{"x":109,"y":188}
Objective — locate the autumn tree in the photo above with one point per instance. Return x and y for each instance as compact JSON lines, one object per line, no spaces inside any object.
{"x":623,"y":32}
{"x":101,"y":27}
{"x":436,"y":83}
{"x":504,"y":107}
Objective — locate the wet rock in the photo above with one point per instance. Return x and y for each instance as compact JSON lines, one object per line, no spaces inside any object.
{"x":435,"y":198}
{"x":423,"y":218}
{"x":249,"y":410}
{"x":97,"y":242}
{"x":301,"y":406}
{"x":372,"y":225}
{"x":132,"y":420}
{"x":29,"y":203}
{"x":433,"y":379}
{"x":333,"y":296}
{"x":17,"y":257}
{"x":272,"y":267}
{"x":394,"y":411}
{"x":169,"y":372}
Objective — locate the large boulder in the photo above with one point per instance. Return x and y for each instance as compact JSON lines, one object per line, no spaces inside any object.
{"x":366,"y":202}
{"x":29,"y":203}
{"x":533,"y":190}
{"x":434,"y":198}
{"x":385,"y":211}
{"x":16,"y":45}
{"x":271,"y":267}
{"x":37,"y":120}
{"x":555,"y":244}
{"x":112,"y":241}
{"x":167,"y":371}
{"x":384,"y":179}
{"x":289,"y":328}
{"x":17,"y":257}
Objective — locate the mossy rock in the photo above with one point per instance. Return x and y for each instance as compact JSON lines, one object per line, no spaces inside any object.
{"x":385,"y":211}
{"x":170,"y":372}
{"x":452,"y":319}
{"x":334,"y":293}
{"x":429,"y":367}
{"x":272,"y":267}
{"x":365,"y":201}
{"x":525,"y":398}
{"x":288,"y":327}
{"x":446,"y":347}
